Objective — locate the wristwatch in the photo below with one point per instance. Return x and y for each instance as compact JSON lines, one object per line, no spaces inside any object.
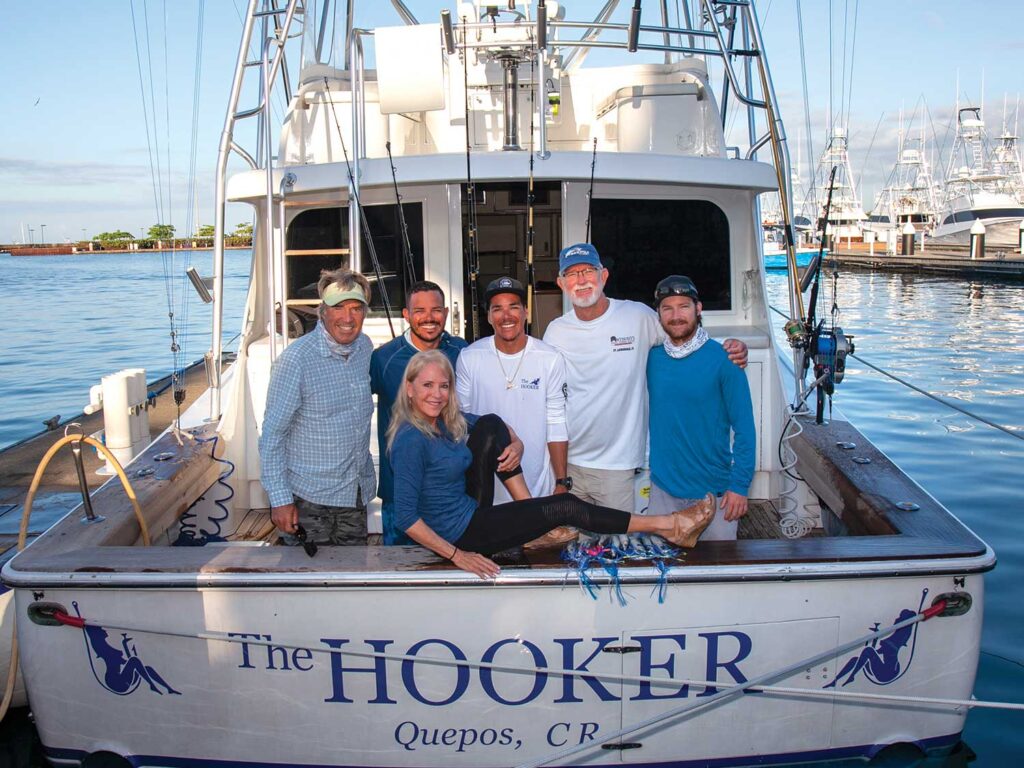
{"x":566,"y":482}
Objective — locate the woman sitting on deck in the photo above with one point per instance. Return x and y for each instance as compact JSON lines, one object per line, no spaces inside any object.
{"x":444,"y":465}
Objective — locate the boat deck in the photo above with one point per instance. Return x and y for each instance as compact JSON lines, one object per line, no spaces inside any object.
{"x":877,"y":515}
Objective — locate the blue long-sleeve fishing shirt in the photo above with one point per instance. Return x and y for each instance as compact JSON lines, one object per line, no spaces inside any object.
{"x":694,"y":401}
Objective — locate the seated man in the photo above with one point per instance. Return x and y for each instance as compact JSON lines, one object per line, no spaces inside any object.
{"x":315,"y":444}
{"x":696,"y":397}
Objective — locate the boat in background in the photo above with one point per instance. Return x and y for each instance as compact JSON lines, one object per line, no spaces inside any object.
{"x":846,"y":218}
{"x":910,"y":193}
{"x":229,"y":651}
{"x":978,"y":189}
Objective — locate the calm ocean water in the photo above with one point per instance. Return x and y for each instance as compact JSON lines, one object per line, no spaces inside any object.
{"x":73,"y":319}
{"x":962,"y":340}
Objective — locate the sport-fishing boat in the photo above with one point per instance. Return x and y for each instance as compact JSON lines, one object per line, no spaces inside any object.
{"x":846,"y":623}
{"x":981,"y":186}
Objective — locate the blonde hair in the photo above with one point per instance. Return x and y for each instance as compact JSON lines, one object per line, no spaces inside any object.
{"x":402,"y":412}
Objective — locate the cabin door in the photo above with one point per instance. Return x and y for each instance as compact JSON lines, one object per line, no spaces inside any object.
{"x":502,"y":215}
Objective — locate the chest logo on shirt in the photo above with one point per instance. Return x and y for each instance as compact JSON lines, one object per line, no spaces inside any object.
{"x":525,"y":383}
{"x":623,"y":343}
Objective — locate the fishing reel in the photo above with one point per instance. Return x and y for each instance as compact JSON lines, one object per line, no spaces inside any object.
{"x":827,"y":350}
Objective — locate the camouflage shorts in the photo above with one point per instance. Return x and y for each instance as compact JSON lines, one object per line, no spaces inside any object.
{"x":344,"y":526}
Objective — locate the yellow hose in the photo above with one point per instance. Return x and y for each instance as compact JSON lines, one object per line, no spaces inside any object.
{"x":12,"y":672}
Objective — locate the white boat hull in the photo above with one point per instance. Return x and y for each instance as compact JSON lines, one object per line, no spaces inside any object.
{"x":298,"y":704}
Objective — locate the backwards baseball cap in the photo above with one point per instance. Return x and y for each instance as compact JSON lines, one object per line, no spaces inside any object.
{"x":675,"y":285}
{"x":504,"y":285}
{"x":335,"y":293}
{"x":581,"y":253}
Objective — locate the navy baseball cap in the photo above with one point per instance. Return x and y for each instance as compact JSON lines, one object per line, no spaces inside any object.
{"x":581,"y":253}
{"x":504,"y":285}
{"x":675,"y":285}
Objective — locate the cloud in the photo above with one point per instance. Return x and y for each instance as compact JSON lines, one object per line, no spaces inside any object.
{"x":62,"y":174}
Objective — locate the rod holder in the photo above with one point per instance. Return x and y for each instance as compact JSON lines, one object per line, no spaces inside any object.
{"x":633,"y":38}
{"x":542,"y":25}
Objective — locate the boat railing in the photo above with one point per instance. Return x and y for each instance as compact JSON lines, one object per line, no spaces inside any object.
{"x":265,"y":13}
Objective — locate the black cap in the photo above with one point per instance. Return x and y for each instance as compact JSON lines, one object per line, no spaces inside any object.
{"x":675,"y":285}
{"x":504,"y":285}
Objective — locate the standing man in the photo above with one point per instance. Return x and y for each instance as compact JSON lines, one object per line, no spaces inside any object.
{"x":697,"y":396}
{"x":605,"y":343}
{"x":426,"y":314}
{"x":522,"y":380}
{"x":315,"y":444}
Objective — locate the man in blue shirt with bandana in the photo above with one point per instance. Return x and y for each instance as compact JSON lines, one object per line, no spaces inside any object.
{"x":696,"y":397}
{"x":315,"y":443}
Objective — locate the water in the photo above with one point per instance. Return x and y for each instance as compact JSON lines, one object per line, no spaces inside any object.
{"x":959,"y":339}
{"x":72,"y":319}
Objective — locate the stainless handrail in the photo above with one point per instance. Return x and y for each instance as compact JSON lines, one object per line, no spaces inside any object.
{"x":225,"y":148}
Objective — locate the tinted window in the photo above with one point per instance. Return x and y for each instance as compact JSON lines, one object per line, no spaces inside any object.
{"x":321,"y":229}
{"x":642,"y":241}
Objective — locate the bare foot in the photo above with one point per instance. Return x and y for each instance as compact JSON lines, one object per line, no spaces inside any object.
{"x":556,"y":537}
{"x":689,"y":523}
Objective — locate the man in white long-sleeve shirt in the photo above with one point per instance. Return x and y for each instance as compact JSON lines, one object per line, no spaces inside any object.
{"x":521,"y":379}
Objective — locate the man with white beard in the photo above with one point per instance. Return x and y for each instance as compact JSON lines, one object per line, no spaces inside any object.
{"x":605,"y":343}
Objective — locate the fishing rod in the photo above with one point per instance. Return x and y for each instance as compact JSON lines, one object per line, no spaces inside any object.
{"x":407,"y":260}
{"x":472,"y":248}
{"x":826,"y":347}
{"x":590,"y":194}
{"x":530,"y":201}
{"x":364,"y":223}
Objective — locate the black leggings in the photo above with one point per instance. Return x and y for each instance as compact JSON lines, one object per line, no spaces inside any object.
{"x":495,"y":528}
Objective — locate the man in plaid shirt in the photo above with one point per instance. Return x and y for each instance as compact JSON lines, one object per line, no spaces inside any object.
{"x":315,"y":444}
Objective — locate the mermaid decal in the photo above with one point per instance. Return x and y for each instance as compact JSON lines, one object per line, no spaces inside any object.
{"x":880,"y":660}
{"x":123,"y":669}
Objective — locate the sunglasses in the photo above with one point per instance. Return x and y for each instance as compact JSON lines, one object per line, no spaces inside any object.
{"x":310,"y":546}
{"x":676,"y":288}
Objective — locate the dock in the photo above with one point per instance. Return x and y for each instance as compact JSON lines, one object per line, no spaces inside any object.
{"x":1001,"y":262}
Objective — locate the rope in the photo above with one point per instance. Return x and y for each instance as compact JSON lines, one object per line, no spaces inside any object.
{"x":12,"y":670}
{"x":926,"y":393}
{"x":363,"y":221}
{"x":727,"y":690}
{"x":938,"y":399}
{"x":734,"y":691}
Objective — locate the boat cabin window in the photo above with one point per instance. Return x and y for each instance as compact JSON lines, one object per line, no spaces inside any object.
{"x":642,"y":241}
{"x":318,"y":239}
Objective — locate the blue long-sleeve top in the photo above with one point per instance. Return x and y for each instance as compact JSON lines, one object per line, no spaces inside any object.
{"x":694,"y":403}
{"x":387,"y":368}
{"x":430,"y":480}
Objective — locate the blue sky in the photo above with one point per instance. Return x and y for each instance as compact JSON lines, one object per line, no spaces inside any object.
{"x":74,"y":153}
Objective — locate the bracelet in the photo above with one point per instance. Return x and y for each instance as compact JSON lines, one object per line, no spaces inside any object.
{"x":455,"y":551}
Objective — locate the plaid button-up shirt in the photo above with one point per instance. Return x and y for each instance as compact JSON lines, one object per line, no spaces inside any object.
{"x":315,"y":442}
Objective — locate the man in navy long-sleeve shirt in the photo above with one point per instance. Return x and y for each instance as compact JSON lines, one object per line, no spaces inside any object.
{"x":696,"y":397}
